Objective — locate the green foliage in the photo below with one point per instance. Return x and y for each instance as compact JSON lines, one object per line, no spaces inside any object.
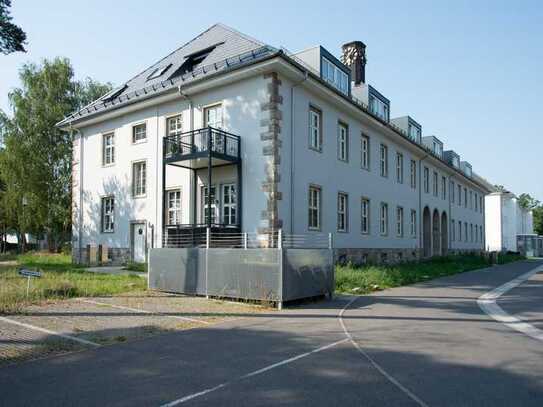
{"x":527,"y":202}
{"x":12,"y":37}
{"x":35,"y":165}
{"x":362,"y":280}
{"x":60,"y":279}
{"x":538,"y":220}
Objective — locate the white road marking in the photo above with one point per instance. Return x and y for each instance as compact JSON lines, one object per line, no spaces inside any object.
{"x":380,"y":369}
{"x":47,"y":331}
{"x":254,"y":373}
{"x":487,"y":302}
{"x":143,"y":311}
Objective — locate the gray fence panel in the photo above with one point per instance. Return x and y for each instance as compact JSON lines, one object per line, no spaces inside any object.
{"x":307,"y":273}
{"x":244,"y":273}
{"x":177,"y":270}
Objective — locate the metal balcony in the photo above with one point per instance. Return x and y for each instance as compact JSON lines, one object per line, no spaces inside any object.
{"x":202,"y":147}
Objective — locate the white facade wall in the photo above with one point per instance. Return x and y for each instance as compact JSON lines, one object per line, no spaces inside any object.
{"x":299,"y":167}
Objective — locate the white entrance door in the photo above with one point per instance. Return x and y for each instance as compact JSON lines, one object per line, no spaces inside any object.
{"x":138,"y":242}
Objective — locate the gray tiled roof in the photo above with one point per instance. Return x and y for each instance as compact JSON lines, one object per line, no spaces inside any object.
{"x":232,"y":49}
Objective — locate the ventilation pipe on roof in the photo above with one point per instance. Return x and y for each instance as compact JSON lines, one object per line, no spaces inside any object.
{"x":354,"y":56}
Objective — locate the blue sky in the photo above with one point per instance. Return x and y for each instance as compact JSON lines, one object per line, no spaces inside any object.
{"x":466,"y":70}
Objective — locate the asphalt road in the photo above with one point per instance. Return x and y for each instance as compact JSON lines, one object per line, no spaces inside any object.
{"x":428,"y":344}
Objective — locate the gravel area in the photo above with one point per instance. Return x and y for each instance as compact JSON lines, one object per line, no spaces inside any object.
{"x":108,"y":321}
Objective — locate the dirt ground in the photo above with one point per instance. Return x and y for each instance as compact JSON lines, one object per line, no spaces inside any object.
{"x":59,"y":327}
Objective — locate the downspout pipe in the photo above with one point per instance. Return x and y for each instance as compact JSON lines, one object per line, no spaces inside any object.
{"x":292,"y":144}
{"x":73,"y":130}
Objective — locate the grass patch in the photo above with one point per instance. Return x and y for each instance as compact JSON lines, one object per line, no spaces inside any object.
{"x":60,"y":279}
{"x":139,"y":267}
{"x":362,"y":280}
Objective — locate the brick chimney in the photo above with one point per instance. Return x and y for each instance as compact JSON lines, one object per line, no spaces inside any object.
{"x":354,"y":56}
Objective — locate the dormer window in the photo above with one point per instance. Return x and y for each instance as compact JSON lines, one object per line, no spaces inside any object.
{"x":195,"y":59}
{"x":378,"y":108}
{"x":158,"y":72}
{"x":335,"y":76}
{"x":414,"y":133}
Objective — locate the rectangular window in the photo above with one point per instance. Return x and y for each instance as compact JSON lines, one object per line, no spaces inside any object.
{"x":139,"y":178}
{"x":451,"y":191}
{"x":476,"y":202}
{"x":443,"y":188}
{"x":471,"y":199}
{"x":481,"y":233}
{"x":314,"y":221}
{"x":471,"y":232}
{"x":399,"y":168}
{"x":213,"y":116}
{"x":413,"y":228}
{"x":365,"y":152}
{"x":365,"y":216}
{"x":459,"y":231}
{"x":481,"y":204}
{"x":342,"y":142}
{"x":335,"y":76}
{"x":208,"y":204}
{"x":229,"y":204}
{"x":174,"y":207}
{"x":413,"y":174}
{"x":342,"y":212}
{"x":384,"y":161}
{"x":108,"y":214}
{"x":108,"y":149}
{"x":315,"y":129}
{"x":476,"y":233}
{"x":174,"y":125}
{"x":453,"y":230}
{"x":426,"y":180}
{"x":383,"y":219}
{"x":466,"y":232}
{"x":139,"y":132}
{"x":459,"y":195}
{"x":378,"y":108}
{"x":399,"y":221}
{"x":435,"y":183}
{"x":465,"y":197}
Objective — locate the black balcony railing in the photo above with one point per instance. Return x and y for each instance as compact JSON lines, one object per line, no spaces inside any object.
{"x":202,"y":142}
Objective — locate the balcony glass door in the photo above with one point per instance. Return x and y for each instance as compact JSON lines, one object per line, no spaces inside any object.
{"x":209,"y":206}
{"x":213,"y":118}
{"x":229,"y":204}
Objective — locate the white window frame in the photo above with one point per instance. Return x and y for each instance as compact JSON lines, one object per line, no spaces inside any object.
{"x":426,"y":180}
{"x":451,"y":191}
{"x":314,"y":204}
{"x":365,"y":152}
{"x":137,"y":133}
{"x":315,"y":129}
{"x":413,"y":174}
{"x":399,"y":167}
{"x":365,"y":216}
{"x":399,"y":221}
{"x":342,"y":212}
{"x":139,"y":179}
{"x":343,"y":142}
{"x":453,"y":230}
{"x":178,"y":128}
{"x":383,"y":219}
{"x":413,"y":228}
{"x":444,"y":187}
{"x":108,"y":149}
{"x":229,"y":210}
{"x":383,"y":159}
{"x":217,"y":122}
{"x":173,"y":211}
{"x":459,"y":194}
{"x":435,"y":183}
{"x":108,"y":214}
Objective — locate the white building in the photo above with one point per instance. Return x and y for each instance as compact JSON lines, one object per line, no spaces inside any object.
{"x":505,"y":219}
{"x":298,"y":142}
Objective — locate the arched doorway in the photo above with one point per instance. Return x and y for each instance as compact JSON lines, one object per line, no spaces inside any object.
{"x":436,"y":235}
{"x":444,"y":234}
{"x":426,"y":233}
